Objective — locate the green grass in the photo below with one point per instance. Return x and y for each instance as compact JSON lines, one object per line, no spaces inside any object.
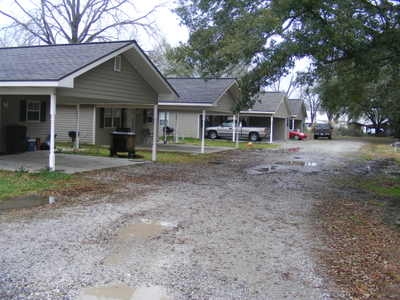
{"x":18,"y":183}
{"x":162,"y":156}
{"x":243,"y":145}
{"x":384,"y":186}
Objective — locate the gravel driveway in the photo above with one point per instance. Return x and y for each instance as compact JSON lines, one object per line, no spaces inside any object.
{"x":236,"y":226}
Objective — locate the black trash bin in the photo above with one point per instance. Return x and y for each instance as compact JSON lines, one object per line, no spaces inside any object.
{"x":123,"y":140}
{"x":16,"y":141}
{"x":73,"y":134}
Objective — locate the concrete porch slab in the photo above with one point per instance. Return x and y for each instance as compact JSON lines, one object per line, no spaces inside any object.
{"x":185,"y":148}
{"x":68,"y":163}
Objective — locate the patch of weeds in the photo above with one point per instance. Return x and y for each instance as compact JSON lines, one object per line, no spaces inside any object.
{"x":19,"y":183}
{"x":382,"y":186}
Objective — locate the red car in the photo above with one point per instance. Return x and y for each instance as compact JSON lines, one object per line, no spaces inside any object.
{"x":297,"y":135}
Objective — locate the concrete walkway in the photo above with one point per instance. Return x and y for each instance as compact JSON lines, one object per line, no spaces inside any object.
{"x":68,"y":163}
{"x":185,"y":148}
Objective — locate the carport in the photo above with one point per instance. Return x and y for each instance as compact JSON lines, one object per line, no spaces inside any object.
{"x":199,"y":98}
{"x":270,"y":110}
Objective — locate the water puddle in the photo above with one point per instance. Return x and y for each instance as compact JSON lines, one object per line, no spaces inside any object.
{"x":124,"y":292}
{"x":282,"y":165}
{"x":144,"y":229}
{"x":259,"y":170}
{"x":26,"y":202}
{"x":130,"y":233}
{"x":299,"y":163}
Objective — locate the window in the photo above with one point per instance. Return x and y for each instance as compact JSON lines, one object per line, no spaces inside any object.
{"x":112,"y":117}
{"x":33,"y":111}
{"x":117,"y":63}
{"x":164,"y":116}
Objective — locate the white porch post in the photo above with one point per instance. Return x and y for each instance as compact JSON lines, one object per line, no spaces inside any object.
{"x":233,"y":128}
{"x":52,"y":159}
{"x":203,"y":130}
{"x":238,"y":131}
{"x":292,"y":124}
{"x":155,"y":130}
{"x":176,"y":127}
{"x":78,"y":112}
{"x":94,"y":125}
{"x":271,"y":134}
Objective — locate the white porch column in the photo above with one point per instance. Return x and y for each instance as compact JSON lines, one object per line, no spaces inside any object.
{"x":78,"y":112}
{"x":271,"y":134}
{"x":155,"y":130}
{"x":94,"y":125}
{"x":176,"y":128}
{"x":233,"y":128}
{"x":203,"y":130}
{"x":292,"y":124}
{"x":52,"y":159}
{"x":238,"y":131}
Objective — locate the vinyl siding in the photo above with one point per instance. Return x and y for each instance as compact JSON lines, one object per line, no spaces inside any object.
{"x":104,"y":84}
{"x":66,"y":118}
{"x":283,"y":110}
{"x":226,"y":103}
{"x":188,"y":124}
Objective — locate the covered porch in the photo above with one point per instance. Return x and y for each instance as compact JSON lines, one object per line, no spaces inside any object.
{"x":35,"y":111}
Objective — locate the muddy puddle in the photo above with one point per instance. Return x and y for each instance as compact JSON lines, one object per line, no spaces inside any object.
{"x":124,"y":292}
{"x":283,"y":165}
{"x":129,"y":234}
{"x":26,"y":202}
{"x":143,"y":229}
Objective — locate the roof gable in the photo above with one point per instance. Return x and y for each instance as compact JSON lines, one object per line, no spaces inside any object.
{"x":199,"y":90}
{"x":268,"y":102}
{"x":59,"y":65}
{"x":52,"y":63}
{"x":297,"y":108}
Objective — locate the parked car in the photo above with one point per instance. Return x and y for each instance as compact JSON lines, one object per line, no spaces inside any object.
{"x":297,"y":135}
{"x":322,"y":130}
{"x":225,"y":130}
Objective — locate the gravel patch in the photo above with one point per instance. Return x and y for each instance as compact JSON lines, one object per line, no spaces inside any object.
{"x":234,"y":234}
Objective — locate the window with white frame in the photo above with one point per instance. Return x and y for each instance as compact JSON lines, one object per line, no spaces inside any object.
{"x":33,"y":111}
{"x":112,"y":117}
{"x":117,"y":63}
{"x":164,"y":117}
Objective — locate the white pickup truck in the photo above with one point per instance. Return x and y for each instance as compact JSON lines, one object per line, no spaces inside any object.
{"x":225,"y":130}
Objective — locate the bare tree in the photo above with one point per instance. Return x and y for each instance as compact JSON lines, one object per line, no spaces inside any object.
{"x":312,"y":102}
{"x":277,"y":86}
{"x":72,"y":21}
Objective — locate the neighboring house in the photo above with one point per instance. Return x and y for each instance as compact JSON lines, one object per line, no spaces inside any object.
{"x":270,"y":110}
{"x":298,"y":114}
{"x":92,"y":87}
{"x":214,"y":99}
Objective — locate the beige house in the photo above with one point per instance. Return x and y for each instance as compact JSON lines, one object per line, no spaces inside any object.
{"x":270,"y":110}
{"x":199,"y":101}
{"x":91,"y":88}
{"x":298,"y":114}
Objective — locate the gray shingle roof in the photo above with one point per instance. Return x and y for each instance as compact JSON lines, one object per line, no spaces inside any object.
{"x":198,"y":90}
{"x":48,"y":63}
{"x":268,"y":102}
{"x":295,"y":106}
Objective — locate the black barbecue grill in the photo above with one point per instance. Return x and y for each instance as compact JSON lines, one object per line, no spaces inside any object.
{"x":123,"y":140}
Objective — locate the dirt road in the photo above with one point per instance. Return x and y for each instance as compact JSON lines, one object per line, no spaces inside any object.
{"x":237,"y":226}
